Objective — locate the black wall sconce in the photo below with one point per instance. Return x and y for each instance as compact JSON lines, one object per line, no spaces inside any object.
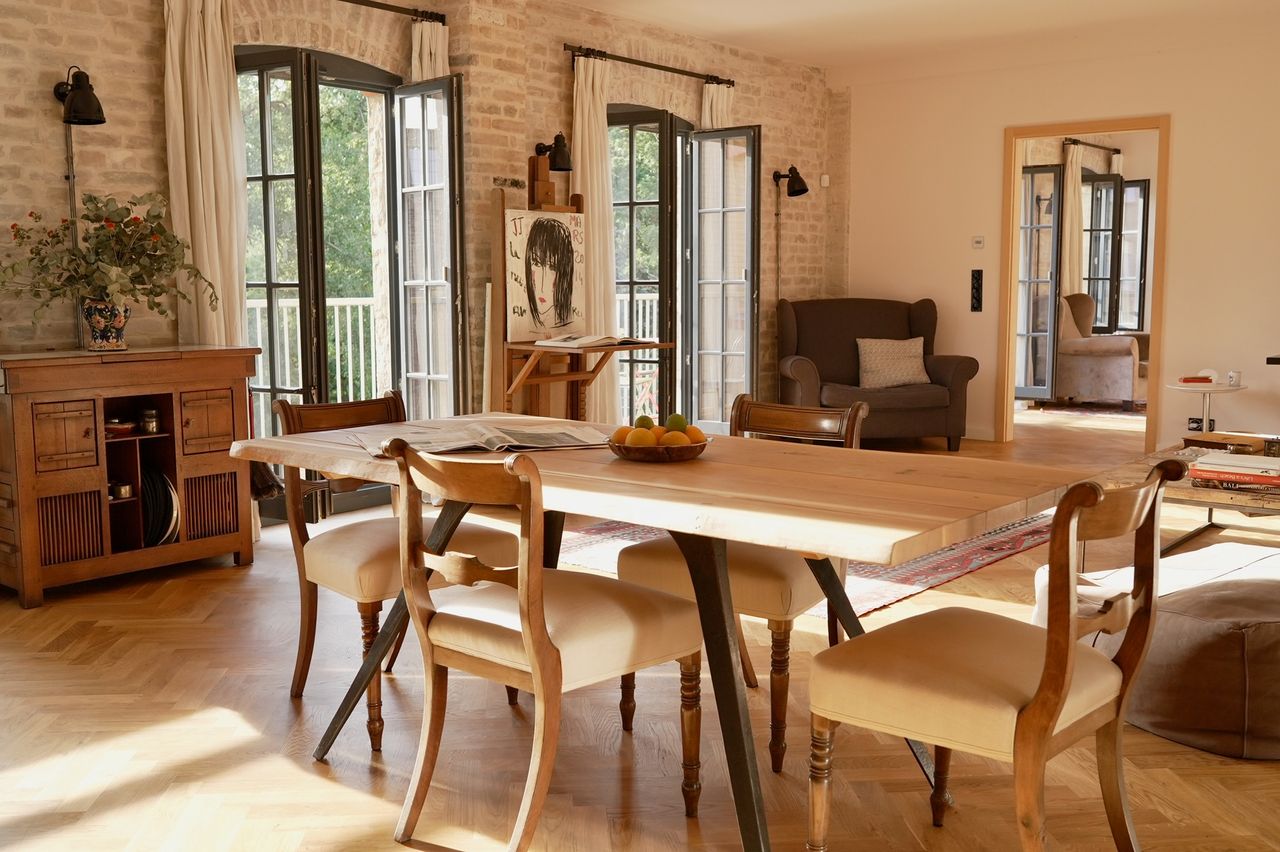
{"x":795,"y":187}
{"x":560,"y":161}
{"x":80,"y":106}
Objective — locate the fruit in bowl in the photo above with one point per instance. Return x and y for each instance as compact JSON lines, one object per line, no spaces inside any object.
{"x":676,"y":440}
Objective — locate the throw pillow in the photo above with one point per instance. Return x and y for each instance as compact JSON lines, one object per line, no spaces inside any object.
{"x":891,"y":363}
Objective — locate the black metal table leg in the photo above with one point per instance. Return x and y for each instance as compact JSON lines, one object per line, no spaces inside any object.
{"x":451,"y":514}
{"x":833,"y":587}
{"x":708,"y":571}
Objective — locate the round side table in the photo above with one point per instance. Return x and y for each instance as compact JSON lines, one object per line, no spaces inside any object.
{"x":1206,"y":391}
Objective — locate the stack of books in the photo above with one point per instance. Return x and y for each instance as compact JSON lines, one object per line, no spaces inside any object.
{"x":1236,"y":472}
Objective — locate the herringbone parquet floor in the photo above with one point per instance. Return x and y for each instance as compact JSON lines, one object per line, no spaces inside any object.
{"x":151,"y":712}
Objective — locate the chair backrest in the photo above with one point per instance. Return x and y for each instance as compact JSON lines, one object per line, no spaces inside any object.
{"x":842,"y":426}
{"x":296,"y":418}
{"x":1079,"y":313}
{"x":1087,"y":513}
{"x":826,"y":331}
{"x":511,"y":481}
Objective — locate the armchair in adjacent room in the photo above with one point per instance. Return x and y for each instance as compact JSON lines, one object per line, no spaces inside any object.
{"x":1095,"y":368}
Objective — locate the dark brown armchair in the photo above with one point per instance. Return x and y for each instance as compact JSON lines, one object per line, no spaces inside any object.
{"x":818,"y":366}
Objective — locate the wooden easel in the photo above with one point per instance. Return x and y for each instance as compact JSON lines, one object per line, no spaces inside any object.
{"x":499,"y":370}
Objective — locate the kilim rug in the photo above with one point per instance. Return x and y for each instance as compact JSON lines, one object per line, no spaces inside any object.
{"x":870,"y":587}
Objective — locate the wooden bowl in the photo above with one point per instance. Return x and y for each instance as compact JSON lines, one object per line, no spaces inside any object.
{"x":117,"y":429}
{"x":683,"y":452}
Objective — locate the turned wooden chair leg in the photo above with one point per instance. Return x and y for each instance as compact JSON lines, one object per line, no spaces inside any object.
{"x":395,"y":650}
{"x":779,"y":685}
{"x":546,"y":737}
{"x":941,"y":774}
{"x":1028,"y":793}
{"x":691,"y":731}
{"x":627,"y":705}
{"x":748,"y":670}
{"x":513,"y":696}
{"x":433,"y":709}
{"x":820,"y":748}
{"x":306,"y":637}
{"x":369,"y":630}
{"x":1111,"y":779}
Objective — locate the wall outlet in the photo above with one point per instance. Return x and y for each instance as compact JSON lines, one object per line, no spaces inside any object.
{"x":975,"y":290}
{"x":1196,"y":424}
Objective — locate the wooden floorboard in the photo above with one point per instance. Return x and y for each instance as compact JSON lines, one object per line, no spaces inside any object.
{"x":152,"y":712}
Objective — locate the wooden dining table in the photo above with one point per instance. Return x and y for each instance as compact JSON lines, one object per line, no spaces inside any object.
{"x":866,"y":505}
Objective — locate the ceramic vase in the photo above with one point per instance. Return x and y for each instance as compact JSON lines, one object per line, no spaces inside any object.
{"x":106,"y":322}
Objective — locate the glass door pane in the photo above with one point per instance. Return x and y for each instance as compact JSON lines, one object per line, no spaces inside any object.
{"x":427,"y":129}
{"x":1037,"y":283}
{"x":1102,"y":218}
{"x":357,"y":244}
{"x":1133,"y":256}
{"x":724,"y":288}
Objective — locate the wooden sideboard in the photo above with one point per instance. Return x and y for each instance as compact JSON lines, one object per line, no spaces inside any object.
{"x":60,"y":523}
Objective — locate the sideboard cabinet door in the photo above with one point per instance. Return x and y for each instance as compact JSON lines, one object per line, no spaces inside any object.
{"x":66,"y":435}
{"x":206,"y":421}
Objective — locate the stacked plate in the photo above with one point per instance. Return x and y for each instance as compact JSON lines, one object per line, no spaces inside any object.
{"x":159,"y":509}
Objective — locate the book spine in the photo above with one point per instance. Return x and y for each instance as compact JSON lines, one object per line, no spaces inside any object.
{"x":1241,"y":487}
{"x":1233,"y":476}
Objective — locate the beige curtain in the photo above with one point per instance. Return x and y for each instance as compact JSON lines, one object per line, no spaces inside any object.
{"x":1117,"y":164}
{"x":1070,"y":267}
{"x":430,"y":50}
{"x":591,"y":177}
{"x":717,"y":106}
{"x":206,"y":162}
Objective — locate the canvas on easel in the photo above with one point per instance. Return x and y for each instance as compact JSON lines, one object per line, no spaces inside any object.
{"x":545,"y":264}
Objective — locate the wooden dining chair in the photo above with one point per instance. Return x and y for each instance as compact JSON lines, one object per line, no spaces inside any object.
{"x":359,"y":560}
{"x":989,"y":685}
{"x":542,"y":631}
{"x":765,"y":582}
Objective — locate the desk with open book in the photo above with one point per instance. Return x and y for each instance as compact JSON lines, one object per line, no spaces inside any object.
{"x":527,"y":366}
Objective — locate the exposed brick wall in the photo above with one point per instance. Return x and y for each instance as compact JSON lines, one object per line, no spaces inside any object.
{"x":378,"y":38}
{"x":123,"y":52}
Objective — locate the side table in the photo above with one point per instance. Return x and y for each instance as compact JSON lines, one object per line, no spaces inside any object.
{"x":1206,"y":391}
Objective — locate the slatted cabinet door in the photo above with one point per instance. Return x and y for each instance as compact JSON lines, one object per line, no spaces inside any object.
{"x":206,"y":421}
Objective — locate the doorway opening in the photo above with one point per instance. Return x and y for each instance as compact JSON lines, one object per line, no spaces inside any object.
{"x":1081,"y":295}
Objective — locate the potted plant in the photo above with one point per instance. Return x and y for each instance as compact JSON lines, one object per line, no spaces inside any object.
{"x":125,"y":254}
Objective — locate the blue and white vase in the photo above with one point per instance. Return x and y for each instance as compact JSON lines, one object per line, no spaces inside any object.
{"x":106,"y":321}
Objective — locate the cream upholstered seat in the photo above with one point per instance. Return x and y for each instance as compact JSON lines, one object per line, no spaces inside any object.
{"x":986,"y":684}
{"x":541,"y":631}
{"x":764,"y":582}
{"x":359,"y":560}
{"x":954,"y":677}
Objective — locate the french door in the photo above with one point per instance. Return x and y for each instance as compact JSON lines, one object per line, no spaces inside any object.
{"x":428,"y":127}
{"x":1039,"y":242}
{"x":721,"y":302}
{"x":351,"y":264}
{"x":1102,"y":214}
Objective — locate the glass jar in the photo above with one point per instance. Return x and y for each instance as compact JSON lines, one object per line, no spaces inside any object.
{"x":150,"y":421}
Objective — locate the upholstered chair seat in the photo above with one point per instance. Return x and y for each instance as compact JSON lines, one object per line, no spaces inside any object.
{"x":361,"y":560}
{"x":603,"y":628}
{"x":953,"y":677}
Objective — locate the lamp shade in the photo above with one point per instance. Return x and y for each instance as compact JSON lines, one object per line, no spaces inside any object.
{"x":795,"y":183}
{"x":79,"y":104}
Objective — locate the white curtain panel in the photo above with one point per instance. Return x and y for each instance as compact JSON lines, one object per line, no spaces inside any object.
{"x":1070,"y":270}
{"x":717,"y":106}
{"x":430,"y":50}
{"x":591,"y":177}
{"x":205,"y":147}
{"x":1117,"y":164}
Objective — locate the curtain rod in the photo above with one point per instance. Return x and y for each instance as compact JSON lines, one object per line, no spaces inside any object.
{"x":416,"y":14}
{"x":578,"y":50}
{"x":1070,"y":141}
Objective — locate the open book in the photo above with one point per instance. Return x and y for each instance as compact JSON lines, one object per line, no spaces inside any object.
{"x":582,"y":341}
{"x":461,"y":436}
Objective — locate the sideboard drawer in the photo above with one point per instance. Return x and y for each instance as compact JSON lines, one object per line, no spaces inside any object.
{"x":65,"y":434}
{"x":206,"y":421}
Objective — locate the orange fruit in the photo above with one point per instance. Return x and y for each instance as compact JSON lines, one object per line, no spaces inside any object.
{"x":620,"y":434}
{"x":641,"y":438}
{"x":674,"y":439}
{"x":658,"y":432}
{"x":695,"y":435}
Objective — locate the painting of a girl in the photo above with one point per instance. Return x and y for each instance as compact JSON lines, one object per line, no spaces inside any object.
{"x":545,"y":274}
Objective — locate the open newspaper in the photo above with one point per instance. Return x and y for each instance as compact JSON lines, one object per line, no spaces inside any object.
{"x":462,"y":436}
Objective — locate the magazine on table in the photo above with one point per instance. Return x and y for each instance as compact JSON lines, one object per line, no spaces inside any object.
{"x":582,"y":341}
{"x":478,"y":437}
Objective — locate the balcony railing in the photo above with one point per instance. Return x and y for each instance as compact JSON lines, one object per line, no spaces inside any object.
{"x":349,"y":323}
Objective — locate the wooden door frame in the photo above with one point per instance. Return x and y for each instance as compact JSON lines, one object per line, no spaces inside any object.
{"x":1009,"y":260}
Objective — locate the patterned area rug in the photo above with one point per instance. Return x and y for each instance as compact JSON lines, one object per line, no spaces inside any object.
{"x":870,"y":587}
